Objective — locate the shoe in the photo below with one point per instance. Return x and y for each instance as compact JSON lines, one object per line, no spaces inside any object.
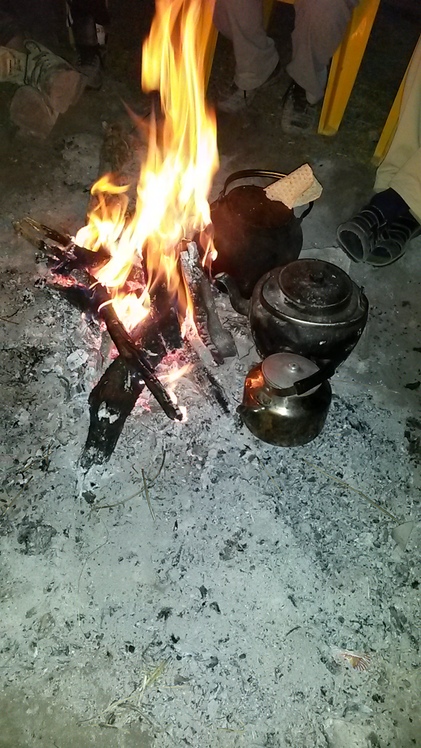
{"x":31,"y":114}
{"x":238,"y":99}
{"x":393,"y":240}
{"x":359,"y":236}
{"x":90,"y":65}
{"x":298,"y":115}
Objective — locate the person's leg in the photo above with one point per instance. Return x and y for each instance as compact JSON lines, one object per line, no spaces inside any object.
{"x":401,"y":167}
{"x":318,"y":31}
{"x":47,"y":84}
{"x":85,"y":16}
{"x":255,"y":53}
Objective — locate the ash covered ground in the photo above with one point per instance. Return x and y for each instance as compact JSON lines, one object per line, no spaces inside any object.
{"x":199,"y":588}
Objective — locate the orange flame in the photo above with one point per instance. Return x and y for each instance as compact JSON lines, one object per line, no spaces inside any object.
{"x":176,"y":177}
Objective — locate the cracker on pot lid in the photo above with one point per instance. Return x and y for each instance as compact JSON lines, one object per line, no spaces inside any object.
{"x":298,"y":188}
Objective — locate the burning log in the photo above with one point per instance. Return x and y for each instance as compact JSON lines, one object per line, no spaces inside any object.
{"x":115,"y":395}
{"x":60,"y":247}
{"x":134,"y":358}
{"x":101,"y":301}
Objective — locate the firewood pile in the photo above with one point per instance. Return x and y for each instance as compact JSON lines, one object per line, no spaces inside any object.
{"x":72,"y":272}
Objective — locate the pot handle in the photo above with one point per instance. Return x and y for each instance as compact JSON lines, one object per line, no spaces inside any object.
{"x":245,"y":173}
{"x":305,"y":212}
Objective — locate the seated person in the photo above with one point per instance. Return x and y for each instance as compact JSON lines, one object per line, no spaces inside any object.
{"x":379,"y":234}
{"x":46,"y":84}
{"x":318,"y":31}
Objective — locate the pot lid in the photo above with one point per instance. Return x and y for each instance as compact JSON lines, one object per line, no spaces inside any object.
{"x":283,"y":370}
{"x":316,"y":285}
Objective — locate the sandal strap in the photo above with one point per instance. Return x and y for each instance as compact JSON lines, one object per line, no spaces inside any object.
{"x":400,"y":230}
{"x":359,"y":235}
{"x":392,"y":242}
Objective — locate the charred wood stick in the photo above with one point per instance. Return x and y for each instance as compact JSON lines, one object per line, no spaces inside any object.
{"x":200,"y":354}
{"x":60,"y":247}
{"x":217,"y":340}
{"x":134,"y":358}
{"x":114,"y":397}
{"x":110,"y":403}
{"x":206,"y":379}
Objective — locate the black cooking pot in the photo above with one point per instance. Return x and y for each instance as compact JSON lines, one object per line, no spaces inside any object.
{"x":252,"y":233}
{"x":309,"y":307}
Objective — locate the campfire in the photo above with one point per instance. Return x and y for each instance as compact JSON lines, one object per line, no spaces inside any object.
{"x":144,"y":270}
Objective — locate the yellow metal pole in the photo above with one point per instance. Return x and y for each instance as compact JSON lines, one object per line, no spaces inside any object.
{"x":345,"y":65}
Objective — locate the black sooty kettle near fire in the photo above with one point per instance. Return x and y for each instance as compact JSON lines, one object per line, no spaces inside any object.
{"x":306,"y":316}
{"x":253,"y":234}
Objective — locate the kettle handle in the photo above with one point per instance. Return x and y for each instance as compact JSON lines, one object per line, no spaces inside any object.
{"x":307,"y":384}
{"x":245,"y":173}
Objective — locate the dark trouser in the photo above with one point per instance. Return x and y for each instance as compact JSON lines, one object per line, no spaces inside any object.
{"x":85,"y":15}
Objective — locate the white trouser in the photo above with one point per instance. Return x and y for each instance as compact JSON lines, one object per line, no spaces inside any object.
{"x":318,"y":31}
{"x":319,"y":27}
{"x":401,"y":167}
{"x":255,"y":54}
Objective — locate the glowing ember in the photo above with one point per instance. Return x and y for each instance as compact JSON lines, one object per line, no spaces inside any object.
{"x":176,"y":176}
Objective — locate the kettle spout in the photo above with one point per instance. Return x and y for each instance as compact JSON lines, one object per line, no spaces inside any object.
{"x":227,"y":284}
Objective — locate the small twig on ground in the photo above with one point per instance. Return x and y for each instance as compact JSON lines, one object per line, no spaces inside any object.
{"x":116,"y":503}
{"x":15,"y":498}
{"x":89,"y":556}
{"x":351,"y":488}
{"x":8,"y":317}
{"x":43,"y":457}
{"x":147,"y":484}
{"x":151,"y":481}
{"x":146,"y":490}
{"x":132,"y":701}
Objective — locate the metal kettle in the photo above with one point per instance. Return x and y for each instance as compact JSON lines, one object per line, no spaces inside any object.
{"x":253,"y":234}
{"x":310,"y":307}
{"x":286,"y":400}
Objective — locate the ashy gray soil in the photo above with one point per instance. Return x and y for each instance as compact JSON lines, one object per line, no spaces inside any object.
{"x":203,"y":588}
